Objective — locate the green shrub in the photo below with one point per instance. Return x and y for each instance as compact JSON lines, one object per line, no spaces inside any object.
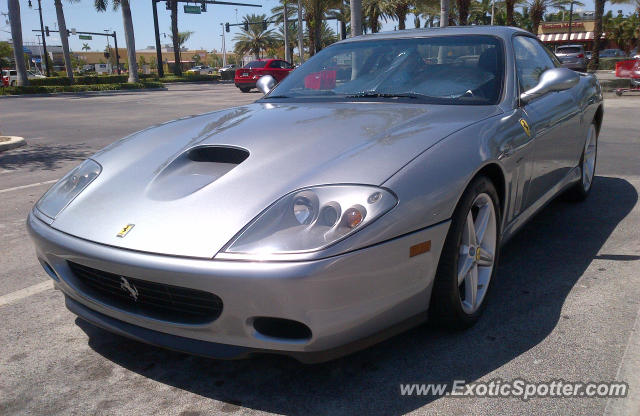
{"x":610,"y":63}
{"x":40,"y":89}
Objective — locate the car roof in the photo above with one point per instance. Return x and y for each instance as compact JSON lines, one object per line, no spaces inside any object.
{"x":500,"y":31}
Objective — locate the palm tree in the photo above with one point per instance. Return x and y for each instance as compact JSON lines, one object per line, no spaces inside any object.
{"x":16,"y":35}
{"x":292,"y":38}
{"x":594,"y":62}
{"x":183,"y":37}
{"x":64,"y":37}
{"x":256,"y":39}
{"x":342,"y":13}
{"x":374,"y":10}
{"x":399,"y":9}
{"x":327,"y":35}
{"x":86,"y":47}
{"x":127,"y":22}
{"x":537,"y":9}
{"x":509,"y":5}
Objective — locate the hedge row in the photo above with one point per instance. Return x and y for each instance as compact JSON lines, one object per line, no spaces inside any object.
{"x":47,"y":89}
{"x":114,"y":79}
{"x":610,"y":63}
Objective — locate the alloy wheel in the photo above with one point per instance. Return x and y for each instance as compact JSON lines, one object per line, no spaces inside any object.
{"x":477,"y":253}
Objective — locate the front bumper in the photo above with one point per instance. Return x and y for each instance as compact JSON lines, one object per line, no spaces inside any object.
{"x":347,"y":301}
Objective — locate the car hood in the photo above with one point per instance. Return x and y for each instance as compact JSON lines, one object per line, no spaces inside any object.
{"x":188,"y":202}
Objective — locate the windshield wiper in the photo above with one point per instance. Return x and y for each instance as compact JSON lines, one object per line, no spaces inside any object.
{"x":371,"y":94}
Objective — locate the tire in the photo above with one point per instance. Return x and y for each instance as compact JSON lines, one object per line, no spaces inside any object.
{"x":245,"y":90}
{"x":580,"y":191}
{"x":450,"y":304}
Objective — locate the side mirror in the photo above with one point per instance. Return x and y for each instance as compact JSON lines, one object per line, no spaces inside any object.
{"x":266,"y":83}
{"x":555,"y":79}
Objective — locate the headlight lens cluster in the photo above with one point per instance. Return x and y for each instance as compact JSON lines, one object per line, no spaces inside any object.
{"x":67,"y":188}
{"x":312,"y":219}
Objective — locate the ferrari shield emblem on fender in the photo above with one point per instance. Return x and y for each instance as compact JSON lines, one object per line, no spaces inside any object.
{"x":125,"y":230}
{"x":525,"y":127}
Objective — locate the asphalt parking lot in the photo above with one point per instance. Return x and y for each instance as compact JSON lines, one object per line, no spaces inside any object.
{"x":565,"y":303}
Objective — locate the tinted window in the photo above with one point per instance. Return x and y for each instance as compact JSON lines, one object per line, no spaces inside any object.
{"x":532,"y":60}
{"x":465,"y":69}
{"x":571,"y":49}
{"x":256,"y":64}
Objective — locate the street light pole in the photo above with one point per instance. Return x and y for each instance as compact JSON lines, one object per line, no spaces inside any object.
{"x":115,"y":41}
{"x":570,"y":20}
{"x":224,"y":47}
{"x":287,"y":52}
{"x":300,"y":34}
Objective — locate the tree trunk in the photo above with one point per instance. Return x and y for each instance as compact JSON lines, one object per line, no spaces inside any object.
{"x":129,"y":37}
{"x":509,"y":4}
{"x":16,"y":35}
{"x":64,"y":39}
{"x":318,"y":27}
{"x":594,"y":63}
{"x":463,"y":12}
{"x":401,"y":14}
{"x":177,"y":66}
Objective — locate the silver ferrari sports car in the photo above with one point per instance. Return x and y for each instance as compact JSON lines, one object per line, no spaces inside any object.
{"x":368,"y":191}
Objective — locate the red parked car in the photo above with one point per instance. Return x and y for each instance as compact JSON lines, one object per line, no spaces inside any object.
{"x":247,"y":76}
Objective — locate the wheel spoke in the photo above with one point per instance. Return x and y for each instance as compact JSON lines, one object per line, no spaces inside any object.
{"x":480,"y":225}
{"x":471,"y":230}
{"x":471,"y":287}
{"x":486,"y":258}
{"x":464,"y":268}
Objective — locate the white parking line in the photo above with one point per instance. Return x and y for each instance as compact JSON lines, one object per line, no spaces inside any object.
{"x":31,"y":185}
{"x":25,"y":293}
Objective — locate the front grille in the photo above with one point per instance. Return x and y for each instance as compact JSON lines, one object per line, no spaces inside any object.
{"x":155,"y":300}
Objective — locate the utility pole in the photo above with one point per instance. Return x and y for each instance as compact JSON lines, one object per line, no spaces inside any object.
{"x":44,"y":42}
{"x":300,"y":41}
{"x":356,"y":18}
{"x":158,"y":47}
{"x":287,"y":52}
{"x":224,"y":47}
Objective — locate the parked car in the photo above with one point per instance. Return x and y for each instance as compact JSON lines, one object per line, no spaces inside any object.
{"x":12,"y":76}
{"x":230,"y":67}
{"x":572,"y":57}
{"x":201,"y":70}
{"x":247,"y":76}
{"x":339,"y":208}
{"x":612,"y":53}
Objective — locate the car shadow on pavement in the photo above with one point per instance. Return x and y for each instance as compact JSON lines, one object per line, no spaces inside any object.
{"x":43,"y":157}
{"x":539,"y":267}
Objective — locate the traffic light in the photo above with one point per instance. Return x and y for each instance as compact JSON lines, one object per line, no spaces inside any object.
{"x":46,"y":30}
{"x":226,"y":27}
{"x":246,"y":26}
{"x":203,"y":7}
{"x":107,"y":55}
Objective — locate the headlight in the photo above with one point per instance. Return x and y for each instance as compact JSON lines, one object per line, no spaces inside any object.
{"x":312,"y":219}
{"x":67,"y":188}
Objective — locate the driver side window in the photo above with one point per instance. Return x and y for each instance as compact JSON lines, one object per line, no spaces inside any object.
{"x":531,"y":61}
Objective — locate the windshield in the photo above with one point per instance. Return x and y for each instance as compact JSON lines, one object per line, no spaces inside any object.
{"x":256,"y":64}
{"x":443,"y":70}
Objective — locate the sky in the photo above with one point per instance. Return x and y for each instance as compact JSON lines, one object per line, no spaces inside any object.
{"x":206,"y":26}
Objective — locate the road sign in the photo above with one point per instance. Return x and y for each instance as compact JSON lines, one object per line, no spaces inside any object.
{"x":192,"y":9}
{"x":85,"y":37}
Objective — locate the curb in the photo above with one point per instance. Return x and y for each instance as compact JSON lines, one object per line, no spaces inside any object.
{"x":14,"y":141}
{"x":89,"y":93}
